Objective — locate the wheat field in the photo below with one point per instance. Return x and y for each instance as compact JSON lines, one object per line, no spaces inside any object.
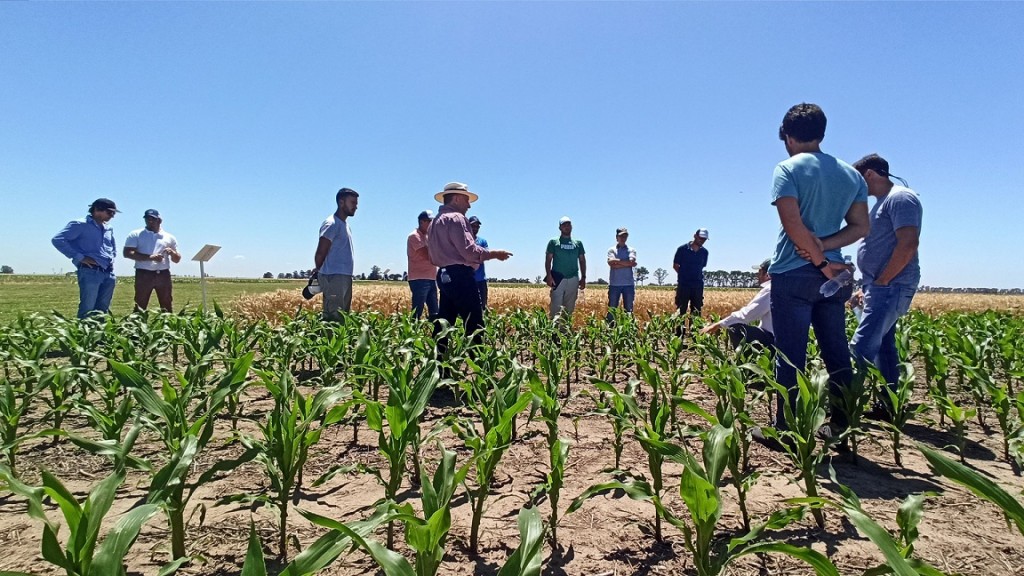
{"x":389,"y":297}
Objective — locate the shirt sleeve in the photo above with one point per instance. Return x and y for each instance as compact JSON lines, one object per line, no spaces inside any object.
{"x":905,"y":210}
{"x":63,"y":241}
{"x":328,"y":229}
{"x":783,"y":185}
{"x":703,"y":258}
{"x":611,"y":254}
{"x":632,"y":254}
{"x":756,"y":309}
{"x":579,"y":244}
{"x":132,"y":241}
{"x":552,"y":244}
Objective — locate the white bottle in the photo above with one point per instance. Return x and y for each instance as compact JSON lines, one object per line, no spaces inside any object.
{"x":838,"y":281}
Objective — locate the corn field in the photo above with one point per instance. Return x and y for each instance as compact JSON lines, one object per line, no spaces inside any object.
{"x":264,"y":441}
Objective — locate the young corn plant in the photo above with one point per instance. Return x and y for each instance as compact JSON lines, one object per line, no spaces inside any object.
{"x":699,"y":490}
{"x":620,"y":408}
{"x":16,"y":399}
{"x":80,"y":556}
{"x":802,"y":423}
{"x":290,"y":429}
{"x":410,"y":385}
{"x":183,"y":418}
{"x":978,"y":484}
{"x":106,"y":405}
{"x":851,"y":401}
{"x":901,"y":408}
{"x":546,"y":401}
{"x":898,"y":551}
{"x":958,"y":417}
{"x":495,"y":403}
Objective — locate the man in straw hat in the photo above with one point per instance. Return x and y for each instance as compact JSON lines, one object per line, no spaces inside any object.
{"x":456,"y":254}
{"x":89,"y":243}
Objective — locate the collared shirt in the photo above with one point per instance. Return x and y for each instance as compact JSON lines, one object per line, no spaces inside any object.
{"x":450,"y":241}
{"x":691,"y":264}
{"x":146,"y":241}
{"x":420,"y":266}
{"x":621,"y":276}
{"x":87,"y":238}
{"x":341,"y":256}
{"x":759,"y":308}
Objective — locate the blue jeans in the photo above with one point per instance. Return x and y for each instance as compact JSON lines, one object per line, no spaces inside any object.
{"x":424,"y":292}
{"x":624,"y":293}
{"x":796,"y":306}
{"x":95,"y":290}
{"x":875,"y":339}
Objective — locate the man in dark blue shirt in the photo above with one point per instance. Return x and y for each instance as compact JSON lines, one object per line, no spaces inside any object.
{"x":689,"y":263}
{"x":89,"y":243}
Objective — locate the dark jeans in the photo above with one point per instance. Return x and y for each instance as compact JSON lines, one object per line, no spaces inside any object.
{"x":796,"y":306}
{"x":146,"y":281}
{"x":424,"y":293}
{"x":460,"y":298}
{"x":691,"y":295}
{"x":481,"y":286}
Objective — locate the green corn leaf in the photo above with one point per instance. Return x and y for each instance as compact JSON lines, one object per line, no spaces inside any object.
{"x":110,"y":556}
{"x":636,"y":490}
{"x":976,"y":483}
{"x":819,"y":562}
{"x":526,"y":560}
{"x":254,"y":563}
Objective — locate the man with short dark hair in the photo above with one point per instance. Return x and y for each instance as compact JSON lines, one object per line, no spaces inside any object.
{"x":457,"y":255}
{"x":422,"y":273}
{"x":152,"y":248}
{"x":689,"y":263}
{"x":334,"y":261}
{"x":740,"y":324}
{"x":565,"y":270}
{"x":621,"y":281}
{"x":481,"y":273}
{"x":888,"y":262}
{"x":90,"y":245}
{"x":814,"y":194}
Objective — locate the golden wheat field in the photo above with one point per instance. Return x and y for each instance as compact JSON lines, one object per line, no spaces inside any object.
{"x":388,"y":297}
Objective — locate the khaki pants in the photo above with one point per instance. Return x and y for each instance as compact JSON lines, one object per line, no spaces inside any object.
{"x":563,"y":297}
{"x":337,"y":292}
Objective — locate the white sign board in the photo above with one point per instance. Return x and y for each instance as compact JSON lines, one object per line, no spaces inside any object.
{"x":206,"y":253}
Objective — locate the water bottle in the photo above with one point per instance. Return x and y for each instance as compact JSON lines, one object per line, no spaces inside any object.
{"x":842,"y":279}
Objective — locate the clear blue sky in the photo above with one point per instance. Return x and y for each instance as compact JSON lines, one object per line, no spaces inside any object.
{"x":240,"y":121}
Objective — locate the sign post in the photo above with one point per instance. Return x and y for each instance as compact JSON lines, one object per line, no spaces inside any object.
{"x":204,"y":255}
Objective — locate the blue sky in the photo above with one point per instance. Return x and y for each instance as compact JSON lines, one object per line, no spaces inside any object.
{"x":240,"y":121}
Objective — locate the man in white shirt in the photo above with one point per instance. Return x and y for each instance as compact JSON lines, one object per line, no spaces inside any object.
{"x":153,"y":250}
{"x":739,"y":324}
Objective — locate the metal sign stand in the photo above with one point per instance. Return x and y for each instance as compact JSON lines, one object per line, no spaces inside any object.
{"x":204,"y":255}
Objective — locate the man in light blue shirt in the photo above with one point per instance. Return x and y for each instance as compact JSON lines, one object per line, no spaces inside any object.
{"x":89,"y":243}
{"x":814,"y":194}
{"x":334,"y":261}
{"x":621,"y":282}
{"x":480,"y":275}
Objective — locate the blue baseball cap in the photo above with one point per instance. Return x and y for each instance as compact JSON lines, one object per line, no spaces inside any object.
{"x":151,"y":213}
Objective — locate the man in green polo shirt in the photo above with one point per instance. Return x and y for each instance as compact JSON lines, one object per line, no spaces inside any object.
{"x":565,"y":268}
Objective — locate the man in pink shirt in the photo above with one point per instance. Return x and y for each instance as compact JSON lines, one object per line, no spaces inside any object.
{"x":422,"y":271}
{"x":456,"y":254}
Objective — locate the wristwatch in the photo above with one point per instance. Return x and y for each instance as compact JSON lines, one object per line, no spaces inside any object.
{"x":821,"y":266}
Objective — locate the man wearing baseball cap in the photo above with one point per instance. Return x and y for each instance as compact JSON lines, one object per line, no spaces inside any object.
{"x":481,"y":273}
{"x":621,"y":281}
{"x":89,"y":243}
{"x":422,"y":272}
{"x":565,"y":269}
{"x":456,"y":254}
{"x":689,"y":263}
{"x":334,"y":260}
{"x":153,"y":250}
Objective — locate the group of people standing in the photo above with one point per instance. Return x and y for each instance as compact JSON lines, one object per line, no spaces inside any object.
{"x":89,"y":243}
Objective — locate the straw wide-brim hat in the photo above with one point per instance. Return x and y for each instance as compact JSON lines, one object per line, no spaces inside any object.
{"x":456,"y":188}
